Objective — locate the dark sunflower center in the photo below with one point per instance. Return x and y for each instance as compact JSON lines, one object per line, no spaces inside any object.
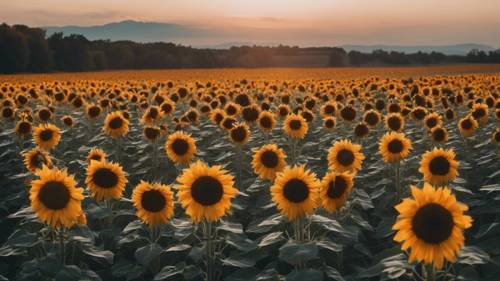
{"x":329,"y":109}
{"x":337,"y":187}
{"x":7,"y":112}
{"x":345,"y":157}
{"x":283,"y":111}
{"x":151,"y":133}
{"x":44,"y":114}
{"x":153,"y":113}
{"x":265,"y":122}
{"x":250,"y":114}
{"x":439,"y":135}
{"x":432,"y":223}
{"x":24,"y":127}
{"x":153,"y":201}
{"x":218,"y":118}
{"x":231,"y":110}
{"x":478,"y":113}
{"x":348,"y":113}
{"x":296,"y":191}
{"x":94,"y":111}
{"x":116,"y":123}
{"x":439,"y":166}
{"x":394,"y":123}
{"x":180,"y":146}
{"x":371,"y":119}
{"x":207,"y":190}
{"x":105,"y":178}
{"x":68,"y":121}
{"x":295,"y":125}
{"x":329,"y":123}
{"x":431,"y":122}
{"x":361,"y":130}
{"x":497,"y":136}
{"x":395,"y":146}
{"x":54,"y":195}
{"x":96,"y":157}
{"x":269,"y":159}
{"x":46,"y":135}
{"x":419,"y":114}
{"x":466,"y":124}
{"x":238,"y":134}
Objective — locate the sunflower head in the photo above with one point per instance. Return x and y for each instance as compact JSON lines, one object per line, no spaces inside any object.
{"x":439,"y":166}
{"x":115,"y":124}
{"x":217,"y":115}
{"x":334,"y":190}
{"x":394,"y":147}
{"x":266,"y":121}
{"x":348,"y":113}
{"x":439,"y":134}
{"x":295,"y":126}
{"x":55,"y":198}
{"x":268,"y":161}
{"x":46,"y":136}
{"x":394,"y":122}
{"x":93,"y":111}
{"x":154,"y":203}
{"x":106,"y":180}
{"x":68,"y":121}
{"x":371,"y":118}
{"x":345,"y":156}
{"x":433,"y":120}
{"x":35,"y":159}
{"x":361,"y":130}
{"x":23,"y":128}
{"x":96,"y":154}
{"x":467,"y":126}
{"x":329,"y":123}
{"x":295,"y":192}
{"x":240,"y":133}
{"x":479,"y":112}
{"x":180,"y":147}
{"x":151,"y":133}
{"x":495,"y":137}
{"x":205,"y":192}
{"x":431,"y":225}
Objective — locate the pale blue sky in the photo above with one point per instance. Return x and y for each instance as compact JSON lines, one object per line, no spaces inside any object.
{"x":305,"y":22}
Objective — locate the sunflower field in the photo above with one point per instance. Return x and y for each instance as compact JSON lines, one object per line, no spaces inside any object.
{"x":251,"y":179}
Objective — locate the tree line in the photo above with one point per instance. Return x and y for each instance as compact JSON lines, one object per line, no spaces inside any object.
{"x":28,"y":49}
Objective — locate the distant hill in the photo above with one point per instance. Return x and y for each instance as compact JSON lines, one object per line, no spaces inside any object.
{"x":178,"y":33}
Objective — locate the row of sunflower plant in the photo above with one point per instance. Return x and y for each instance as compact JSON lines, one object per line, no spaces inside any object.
{"x":366,"y":179}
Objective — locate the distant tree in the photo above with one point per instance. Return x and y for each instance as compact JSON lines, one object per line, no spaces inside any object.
{"x":40,"y":59}
{"x":338,"y":57}
{"x":14,"y":50}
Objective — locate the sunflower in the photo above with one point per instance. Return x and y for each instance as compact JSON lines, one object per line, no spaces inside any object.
{"x":44,"y":114}
{"x":8,"y":113}
{"x":361,"y":130}
{"x":345,"y":156}
{"x":431,"y":224}
{"x":46,"y":136}
{"x":394,"y":147}
{"x":371,"y":118}
{"x":151,"y":116}
{"x":154,"y":203}
{"x":232,"y":109}
{"x":68,"y":121}
{"x":334,"y":190}
{"x":394,"y":122}
{"x":479,"y":112}
{"x":93,"y":111}
{"x":115,"y":124}
{"x":419,"y":113}
{"x":205,"y":192}
{"x":348,"y":113}
{"x":217,"y":115}
{"x":295,"y":126}
{"x":240,"y":133}
{"x":151,"y":133}
{"x":467,"y":126}
{"x":439,"y":134}
{"x":329,"y":123}
{"x":180,"y":147}
{"x":266,"y":121}
{"x":495,"y":137}
{"x":23,"y":128}
{"x":268,"y":161}
{"x":55,"y":199}
{"x":96,"y":154}
{"x":35,"y":159}
{"x":167,"y":108}
{"x":295,"y":192}
{"x":283,"y":110}
{"x":105,"y":180}
{"x":439,"y":166}
{"x":432,"y":120}
{"x":328,"y":109}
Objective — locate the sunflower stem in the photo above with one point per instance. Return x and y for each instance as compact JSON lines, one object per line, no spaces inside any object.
{"x":62,"y":246}
{"x":207,"y":229}
{"x":398,"y":180}
{"x":430,"y":273}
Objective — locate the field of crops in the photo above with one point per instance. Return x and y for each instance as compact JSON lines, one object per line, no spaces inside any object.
{"x":230,"y":176}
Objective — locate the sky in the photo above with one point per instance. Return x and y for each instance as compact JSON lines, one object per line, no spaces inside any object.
{"x":301,"y":22}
